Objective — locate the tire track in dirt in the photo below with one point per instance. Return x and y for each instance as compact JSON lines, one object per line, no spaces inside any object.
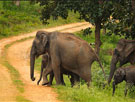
{"x":18,"y":57}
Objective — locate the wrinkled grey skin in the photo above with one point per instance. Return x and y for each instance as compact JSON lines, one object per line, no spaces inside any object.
{"x":124,"y":74}
{"x":45,"y":60}
{"x":66,"y":51}
{"x":123,"y":53}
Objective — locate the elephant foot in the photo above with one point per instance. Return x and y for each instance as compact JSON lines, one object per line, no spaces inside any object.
{"x":45,"y":82}
{"x":48,"y":84}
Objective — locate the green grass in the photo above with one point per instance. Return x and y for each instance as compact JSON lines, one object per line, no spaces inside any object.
{"x":26,"y":18}
{"x":95,"y":93}
{"x":21,"y":99}
{"x":15,"y":76}
{"x":92,"y":94}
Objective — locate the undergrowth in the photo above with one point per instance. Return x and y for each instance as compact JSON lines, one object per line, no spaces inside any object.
{"x":26,"y":18}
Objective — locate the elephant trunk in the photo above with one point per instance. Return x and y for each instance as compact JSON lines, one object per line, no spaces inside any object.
{"x":113,"y":88}
{"x":112,"y":68}
{"x":32,"y":62}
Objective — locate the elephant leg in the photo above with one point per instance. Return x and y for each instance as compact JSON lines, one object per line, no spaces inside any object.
{"x":56,"y":71}
{"x":41,"y":73}
{"x":126,"y":89}
{"x":85,"y":73}
{"x":62,"y":80}
{"x":72,"y":80}
{"x":76,"y":79}
{"x":45,"y":73}
{"x":128,"y":86}
{"x":51,"y":78}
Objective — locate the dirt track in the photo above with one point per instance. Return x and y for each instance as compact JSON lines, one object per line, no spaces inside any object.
{"x":18,"y":57}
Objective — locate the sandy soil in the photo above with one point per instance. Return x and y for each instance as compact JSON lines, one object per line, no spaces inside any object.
{"x":18,"y":56}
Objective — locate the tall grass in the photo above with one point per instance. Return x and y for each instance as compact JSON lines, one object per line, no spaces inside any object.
{"x":25,"y":18}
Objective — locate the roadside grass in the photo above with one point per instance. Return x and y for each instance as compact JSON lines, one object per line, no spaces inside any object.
{"x":96,"y":92}
{"x":21,"y":99}
{"x":26,"y":18}
{"x":15,"y":76}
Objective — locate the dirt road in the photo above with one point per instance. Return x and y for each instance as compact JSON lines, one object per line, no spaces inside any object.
{"x":18,"y":56}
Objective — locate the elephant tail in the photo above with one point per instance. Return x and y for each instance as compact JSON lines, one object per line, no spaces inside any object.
{"x":98,"y":60}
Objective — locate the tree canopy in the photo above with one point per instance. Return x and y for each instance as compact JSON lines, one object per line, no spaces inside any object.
{"x":115,"y":15}
{"x":123,"y":18}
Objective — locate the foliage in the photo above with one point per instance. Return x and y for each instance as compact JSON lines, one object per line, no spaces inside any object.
{"x":25,"y":18}
{"x":87,"y":31}
{"x":123,"y":18}
{"x":116,"y":15}
{"x":96,"y":12}
{"x":89,"y":10}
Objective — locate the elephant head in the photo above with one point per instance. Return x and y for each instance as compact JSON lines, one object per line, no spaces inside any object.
{"x":39,"y":47}
{"x":119,"y":77}
{"x":123,"y":53}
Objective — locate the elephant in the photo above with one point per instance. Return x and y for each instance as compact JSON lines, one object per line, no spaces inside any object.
{"x":123,"y":53}
{"x":43,"y":66}
{"x":45,"y":60}
{"x":66,"y":51}
{"x":124,"y":74}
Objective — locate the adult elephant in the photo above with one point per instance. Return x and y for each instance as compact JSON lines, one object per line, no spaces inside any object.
{"x":123,"y":53}
{"x":66,"y":50}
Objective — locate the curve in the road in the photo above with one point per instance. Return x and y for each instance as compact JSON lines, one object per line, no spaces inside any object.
{"x":18,"y":57}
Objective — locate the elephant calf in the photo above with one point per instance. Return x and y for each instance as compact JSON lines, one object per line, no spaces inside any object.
{"x":43,"y":66}
{"x":45,"y":63}
{"x":124,"y":74}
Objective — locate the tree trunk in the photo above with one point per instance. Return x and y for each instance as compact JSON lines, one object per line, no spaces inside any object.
{"x":97,"y":37}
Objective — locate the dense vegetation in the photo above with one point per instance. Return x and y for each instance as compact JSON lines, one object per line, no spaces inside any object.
{"x":95,"y":93}
{"x":116,"y":15}
{"x":15,"y":20}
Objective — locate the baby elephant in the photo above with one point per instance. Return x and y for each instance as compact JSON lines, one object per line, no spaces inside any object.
{"x":124,"y":74}
{"x":45,"y":63}
{"x":43,"y":66}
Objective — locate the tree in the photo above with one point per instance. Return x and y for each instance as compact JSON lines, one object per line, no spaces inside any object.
{"x":123,"y":18}
{"x":95,"y":12}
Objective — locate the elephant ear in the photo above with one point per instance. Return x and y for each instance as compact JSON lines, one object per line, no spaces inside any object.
{"x":44,"y":39}
{"x":129,"y":49}
{"x":120,"y":73}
